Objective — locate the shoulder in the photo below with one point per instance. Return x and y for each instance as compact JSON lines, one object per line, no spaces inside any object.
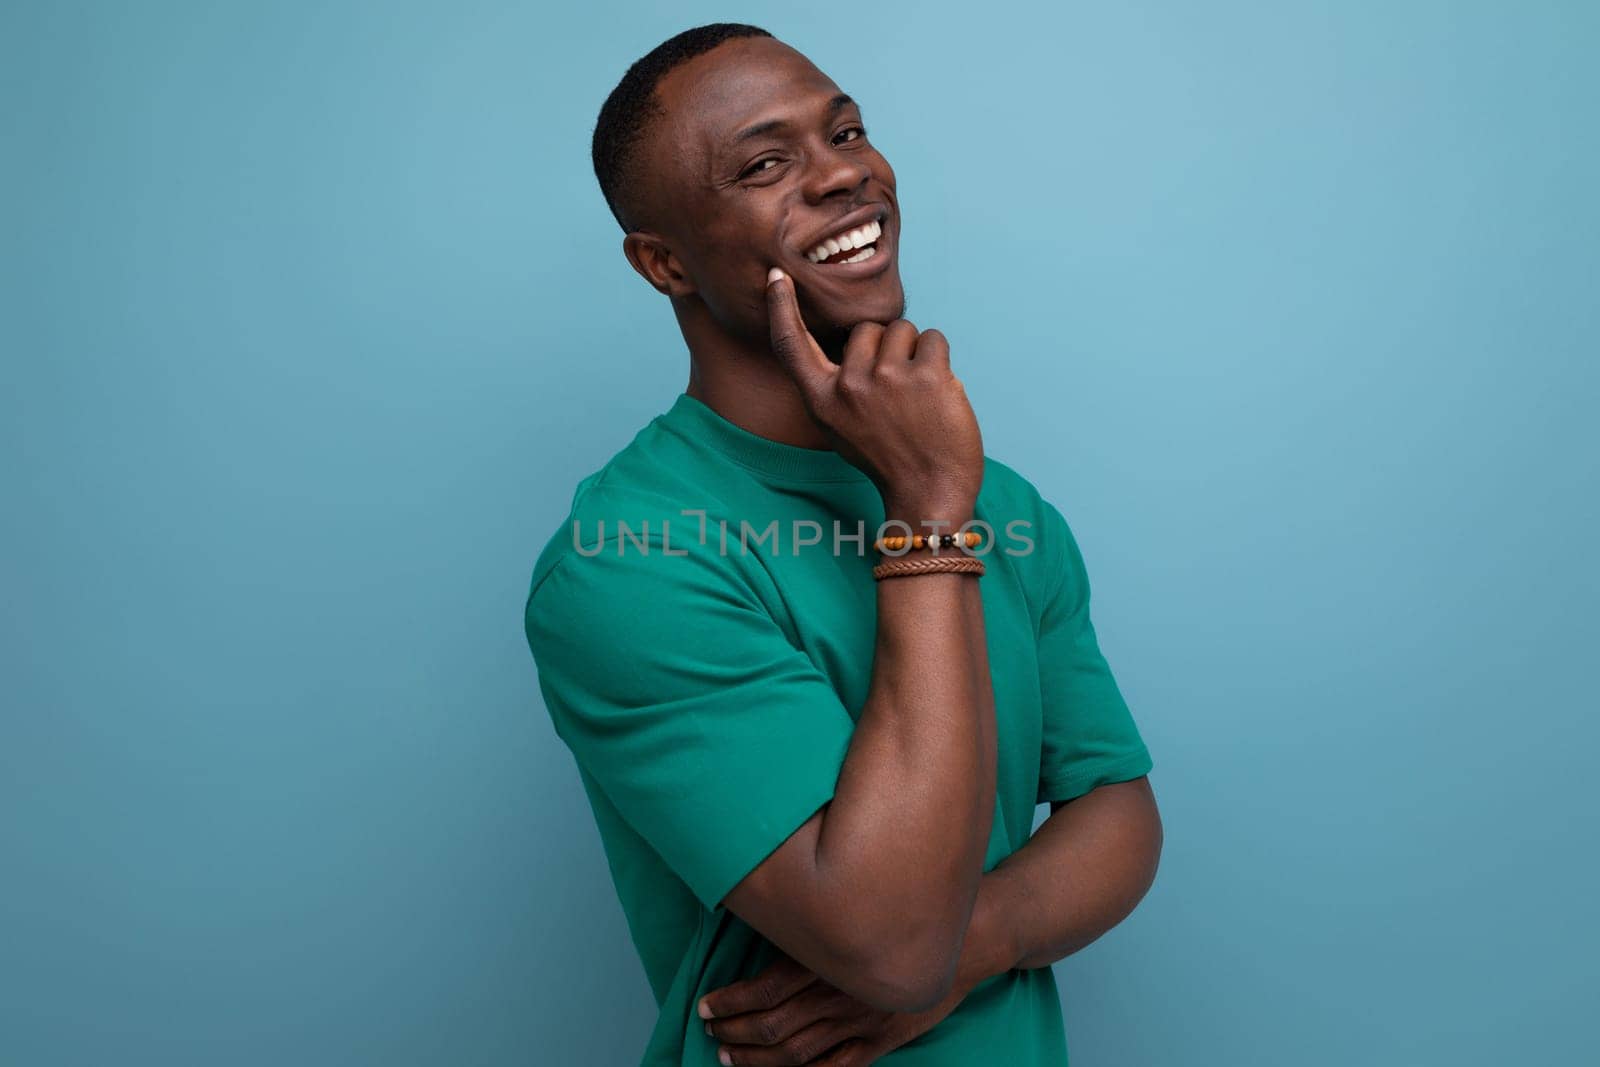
{"x":1030,"y":532}
{"x":1004,"y":487}
{"x":639,"y":560}
{"x":1008,"y":498}
{"x":642,"y":496}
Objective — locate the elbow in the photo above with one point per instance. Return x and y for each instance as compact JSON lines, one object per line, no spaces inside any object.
{"x":900,"y":951}
{"x":906,"y":990}
{"x":907,"y":974}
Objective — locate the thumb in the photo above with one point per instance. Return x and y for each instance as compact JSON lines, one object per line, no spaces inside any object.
{"x":792,"y":343}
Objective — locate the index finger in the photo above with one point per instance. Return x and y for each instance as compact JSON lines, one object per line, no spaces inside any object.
{"x":791,"y":341}
{"x":779,"y":981}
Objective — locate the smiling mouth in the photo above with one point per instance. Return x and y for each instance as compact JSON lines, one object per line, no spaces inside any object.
{"x":849,"y":246}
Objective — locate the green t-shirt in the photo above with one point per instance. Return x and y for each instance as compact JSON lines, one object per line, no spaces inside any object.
{"x":706,"y":666}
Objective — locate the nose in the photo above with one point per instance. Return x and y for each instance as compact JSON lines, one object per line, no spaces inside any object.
{"x":833,"y":173}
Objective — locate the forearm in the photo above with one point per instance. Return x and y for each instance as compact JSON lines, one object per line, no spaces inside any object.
{"x":876,"y":890}
{"x":1081,"y":873}
{"x":902,"y":844}
{"x":914,"y":800}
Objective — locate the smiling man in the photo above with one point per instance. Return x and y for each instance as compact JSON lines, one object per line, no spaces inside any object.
{"x":817,"y":657}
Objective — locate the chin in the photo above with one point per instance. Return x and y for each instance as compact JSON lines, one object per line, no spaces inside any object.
{"x":838,"y":318}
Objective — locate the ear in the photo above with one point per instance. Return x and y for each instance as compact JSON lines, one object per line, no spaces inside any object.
{"x":650,"y":256}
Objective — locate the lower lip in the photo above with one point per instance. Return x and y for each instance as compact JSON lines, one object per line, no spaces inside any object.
{"x":876,"y":263}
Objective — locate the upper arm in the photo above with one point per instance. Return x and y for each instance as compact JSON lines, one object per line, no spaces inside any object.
{"x":781,"y":897}
{"x":1135,"y":793}
{"x":1089,"y":735}
{"x":715,"y":738}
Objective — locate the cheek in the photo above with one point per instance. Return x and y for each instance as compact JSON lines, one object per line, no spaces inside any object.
{"x":707,"y":262}
{"x":734,"y":258}
{"x":729,"y":273}
{"x":733,"y":241}
{"x":730,"y":277}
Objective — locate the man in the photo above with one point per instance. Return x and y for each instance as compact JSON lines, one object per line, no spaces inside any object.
{"x":815,"y":789}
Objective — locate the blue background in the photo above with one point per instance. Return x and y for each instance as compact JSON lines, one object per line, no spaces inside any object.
{"x":313,"y":317}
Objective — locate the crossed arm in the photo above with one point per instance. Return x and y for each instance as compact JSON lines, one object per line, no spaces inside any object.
{"x":1083,"y":871}
{"x":882,"y":890}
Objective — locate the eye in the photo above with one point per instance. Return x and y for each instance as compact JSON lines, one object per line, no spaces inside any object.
{"x":849,"y":133}
{"x":760,"y":165}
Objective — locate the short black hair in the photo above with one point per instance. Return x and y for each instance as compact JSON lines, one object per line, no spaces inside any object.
{"x":632,"y":105}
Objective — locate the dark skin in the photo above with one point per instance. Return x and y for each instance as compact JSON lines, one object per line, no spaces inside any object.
{"x":1082,"y":873}
{"x":878,"y":902}
{"x":721,"y":211}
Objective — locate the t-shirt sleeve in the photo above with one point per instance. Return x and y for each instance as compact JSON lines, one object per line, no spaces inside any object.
{"x":679,"y":695}
{"x":1090,"y":738}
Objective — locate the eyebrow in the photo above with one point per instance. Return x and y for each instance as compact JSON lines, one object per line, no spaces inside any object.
{"x":837,"y":104}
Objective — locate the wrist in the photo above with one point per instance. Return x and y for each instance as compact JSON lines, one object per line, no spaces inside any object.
{"x":928,"y":514}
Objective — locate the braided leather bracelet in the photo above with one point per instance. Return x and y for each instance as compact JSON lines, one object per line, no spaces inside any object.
{"x":901,"y":568}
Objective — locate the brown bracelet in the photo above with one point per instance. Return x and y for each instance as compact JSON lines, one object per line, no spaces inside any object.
{"x":900,"y":568}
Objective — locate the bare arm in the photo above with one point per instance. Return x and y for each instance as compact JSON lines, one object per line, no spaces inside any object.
{"x":1079,"y":875}
{"x":875,"y":891}
{"x":1083,"y":872}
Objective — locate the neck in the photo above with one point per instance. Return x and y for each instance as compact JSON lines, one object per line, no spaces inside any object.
{"x":747,"y":385}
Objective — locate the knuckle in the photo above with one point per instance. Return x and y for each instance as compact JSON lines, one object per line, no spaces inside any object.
{"x":846,"y":1055}
{"x":799,"y":1049}
{"x":859,"y":1054}
{"x":865,"y":336}
{"x":767,"y":1030}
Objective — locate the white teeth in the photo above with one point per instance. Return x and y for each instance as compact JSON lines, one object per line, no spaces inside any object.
{"x":865,"y":253}
{"x":859,"y":238}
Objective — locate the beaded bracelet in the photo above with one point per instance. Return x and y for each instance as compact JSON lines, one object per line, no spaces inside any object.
{"x":903,"y":568}
{"x":897,"y":542}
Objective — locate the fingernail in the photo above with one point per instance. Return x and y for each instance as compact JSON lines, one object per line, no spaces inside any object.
{"x":725,"y":1057}
{"x":773,"y":275}
{"x":708,"y":1030}
{"x":705,"y":1009}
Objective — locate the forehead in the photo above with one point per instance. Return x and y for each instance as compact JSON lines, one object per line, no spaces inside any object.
{"x":741,"y":82}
